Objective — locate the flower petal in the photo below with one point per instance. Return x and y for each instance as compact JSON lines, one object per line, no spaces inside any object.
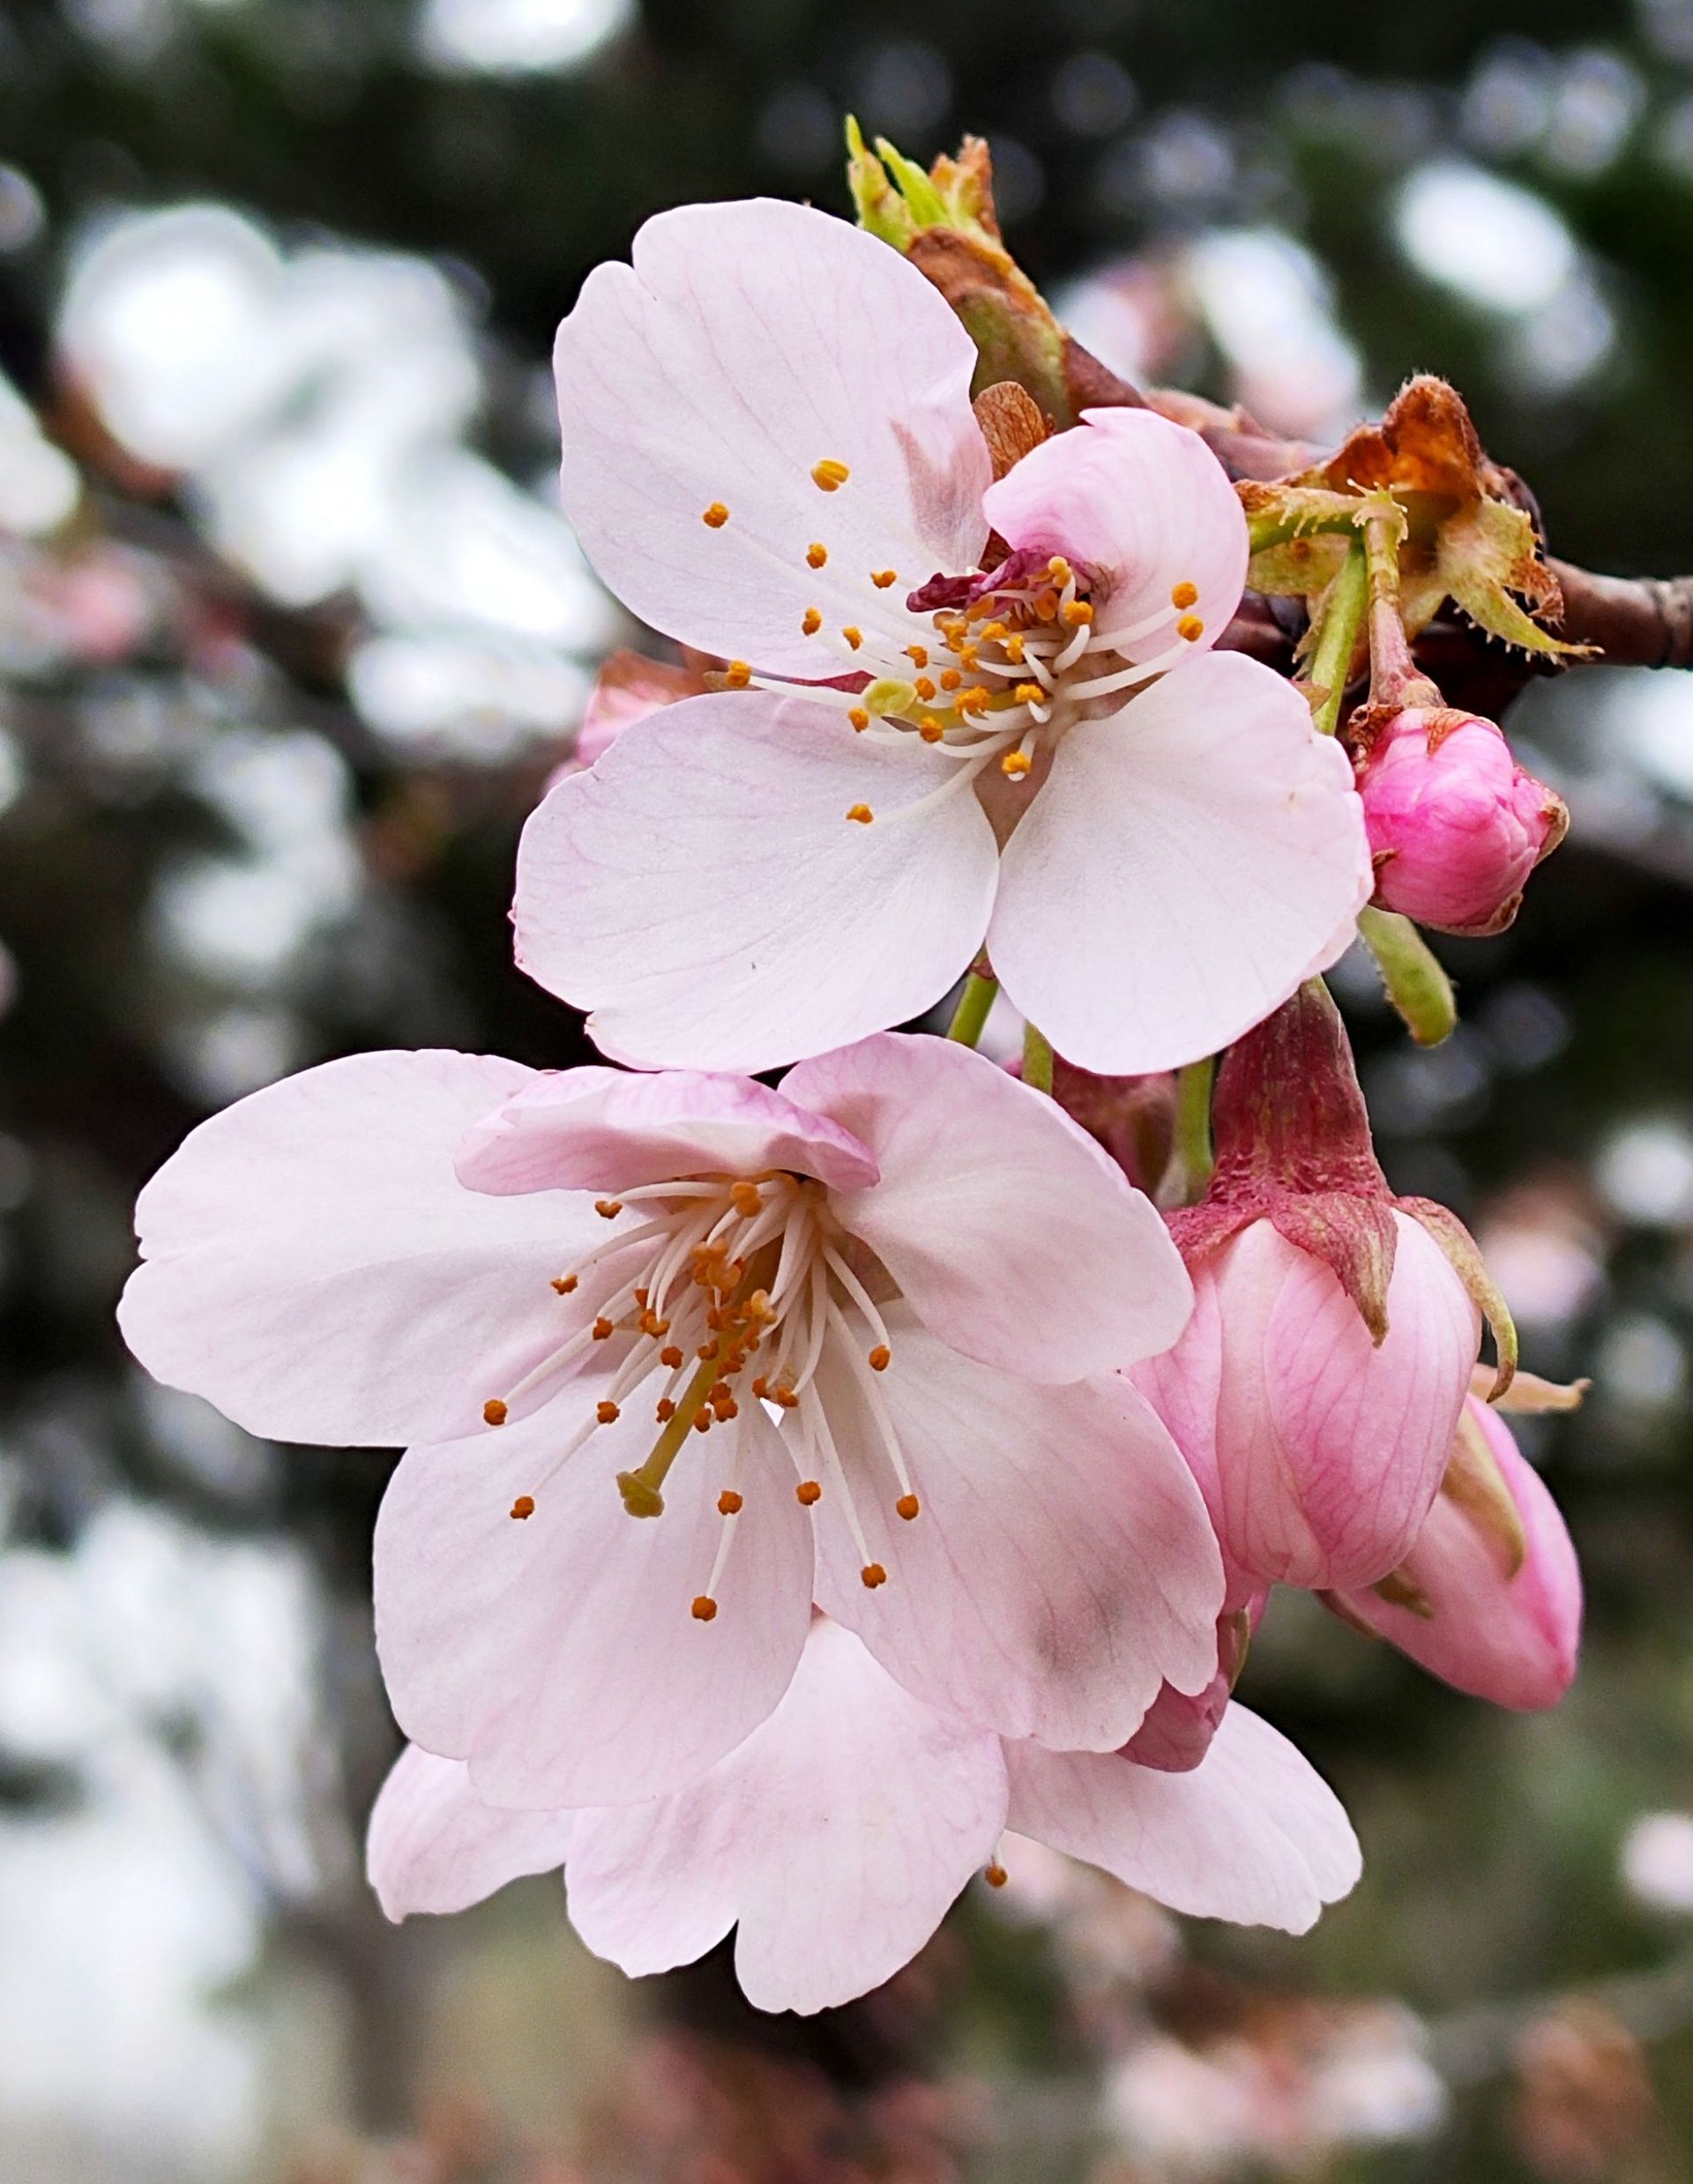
{"x":837,"y":1835}
{"x":434,"y":1846}
{"x":1252,"y":1834}
{"x":704,"y":892}
{"x":748,"y":343}
{"x":605,"y":1129}
{"x":313,"y":1265}
{"x":1062,"y":1564}
{"x":1008,"y":1232}
{"x":1145,"y":506}
{"x":558,"y":1654}
{"x":1186,"y":865}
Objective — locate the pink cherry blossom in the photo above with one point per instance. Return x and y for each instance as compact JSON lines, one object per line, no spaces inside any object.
{"x":1455,"y":825}
{"x":1468,"y":1608}
{"x":769,"y":454}
{"x":852,"y":1341}
{"x":1319,"y":1450}
{"x":837,"y":1836}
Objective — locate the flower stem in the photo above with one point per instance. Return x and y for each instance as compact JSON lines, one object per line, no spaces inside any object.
{"x":1417,"y":985}
{"x":1037,"y":1060}
{"x":1340,"y":618}
{"x":971,"y":1015}
{"x":1194,"y":1158}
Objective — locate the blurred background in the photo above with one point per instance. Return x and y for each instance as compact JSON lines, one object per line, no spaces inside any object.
{"x":292,"y":631}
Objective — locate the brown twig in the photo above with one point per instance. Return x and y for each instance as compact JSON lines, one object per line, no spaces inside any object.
{"x":1636,"y":621}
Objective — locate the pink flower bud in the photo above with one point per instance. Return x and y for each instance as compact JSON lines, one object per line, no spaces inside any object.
{"x":1491,"y":1608}
{"x":1318,"y":1449}
{"x":1178,"y":1729}
{"x":1455,"y":824}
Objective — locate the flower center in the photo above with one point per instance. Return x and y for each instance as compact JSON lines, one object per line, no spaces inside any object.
{"x":725,"y":1289}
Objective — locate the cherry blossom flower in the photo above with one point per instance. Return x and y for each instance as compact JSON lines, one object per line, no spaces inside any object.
{"x":836,"y":1837}
{"x":852,"y":1341}
{"x":770,"y":454}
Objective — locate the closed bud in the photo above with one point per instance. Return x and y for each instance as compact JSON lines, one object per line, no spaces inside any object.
{"x":1455,"y":824}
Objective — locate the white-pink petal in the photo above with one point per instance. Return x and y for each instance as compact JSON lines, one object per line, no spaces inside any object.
{"x":836,"y":1837}
{"x":1144,"y":508}
{"x":558,"y":1654}
{"x":1187,"y":862}
{"x":1253,"y":1834}
{"x":1006,"y":1229}
{"x":747,"y":343}
{"x":1061,"y":1567}
{"x":704,"y":893}
{"x":313,"y":1265}
{"x":432,"y":1846}
{"x":609,"y":1131}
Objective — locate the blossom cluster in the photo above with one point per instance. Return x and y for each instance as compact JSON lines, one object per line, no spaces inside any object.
{"x":809,"y":1483}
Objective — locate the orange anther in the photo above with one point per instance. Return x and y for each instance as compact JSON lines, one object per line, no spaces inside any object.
{"x":670,"y":1355}
{"x":651,"y":1324}
{"x":719,"y":1391}
{"x":861,"y":813}
{"x":726,"y":1409}
{"x":990,"y":632}
{"x":881,"y":1357}
{"x":859,"y":718}
{"x":1014,"y":764}
{"x":873,"y":1575}
{"x":494,"y":1412}
{"x":930,"y":729}
{"x":608,"y":1413}
{"x":715,"y":517}
{"x":729,"y":1503}
{"x":924,"y":687}
{"x":746,"y":1198}
{"x":704,"y":1608}
{"x":701,"y":1421}
{"x":1184,"y":595}
{"x":1028,"y":693}
{"x":829,"y":475}
{"x":807,"y":1492}
{"x":1046,"y":606}
{"x":918,"y":655}
{"x":524,"y":1506}
{"x":950,"y":678}
{"x":1076,"y":612}
{"x":784,"y":1398}
{"x":664,"y":1411}
{"x":853,"y":635}
{"x":817,"y":554}
{"x":707,"y":1351}
{"x":811,"y":622}
{"x":1192,"y":628}
{"x":907,"y":1506}
{"x":565,"y":1284}
{"x":608,"y":1208}
{"x":738,"y":676}
{"x":883,"y":578}
{"x":602,"y":1328}
{"x":1014,"y":650}
{"x":761,"y":1387}
{"x":995,"y":1877}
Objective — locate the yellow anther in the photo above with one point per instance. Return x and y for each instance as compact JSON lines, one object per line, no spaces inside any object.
{"x":907,"y":1506}
{"x":817,"y":554}
{"x":665,"y":1409}
{"x":729,"y":1503}
{"x":608,"y":1413}
{"x":738,"y":676}
{"x":883,"y":578}
{"x":990,"y":632}
{"x":746,"y":1198}
{"x":1184,"y":594}
{"x":950,"y":678}
{"x":524,"y":1506}
{"x":930,"y":729}
{"x":854,"y":634}
{"x":888,"y":694}
{"x":881,"y":1358}
{"x":1014,"y":764}
{"x":1014,"y":650}
{"x":829,"y":475}
{"x":811,"y":622}
{"x":565,"y":1284}
{"x":670,"y":1355}
{"x":807,"y":1493}
{"x":759,"y":1308}
{"x":602,"y":1328}
{"x":715,"y":517}
{"x":973,"y":700}
{"x":873,"y":1575}
{"x":1077,"y":613}
{"x":1058,"y":569}
{"x":1028,"y":693}
{"x":494,"y":1412}
{"x":924,"y":687}
{"x":861,"y":813}
{"x":704,"y":1608}
{"x":860,"y":718}
{"x":968,"y":656}
{"x":1192,"y":628}
{"x":608,"y":1208}
{"x":918,"y":655}
{"x":995,"y":1877}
